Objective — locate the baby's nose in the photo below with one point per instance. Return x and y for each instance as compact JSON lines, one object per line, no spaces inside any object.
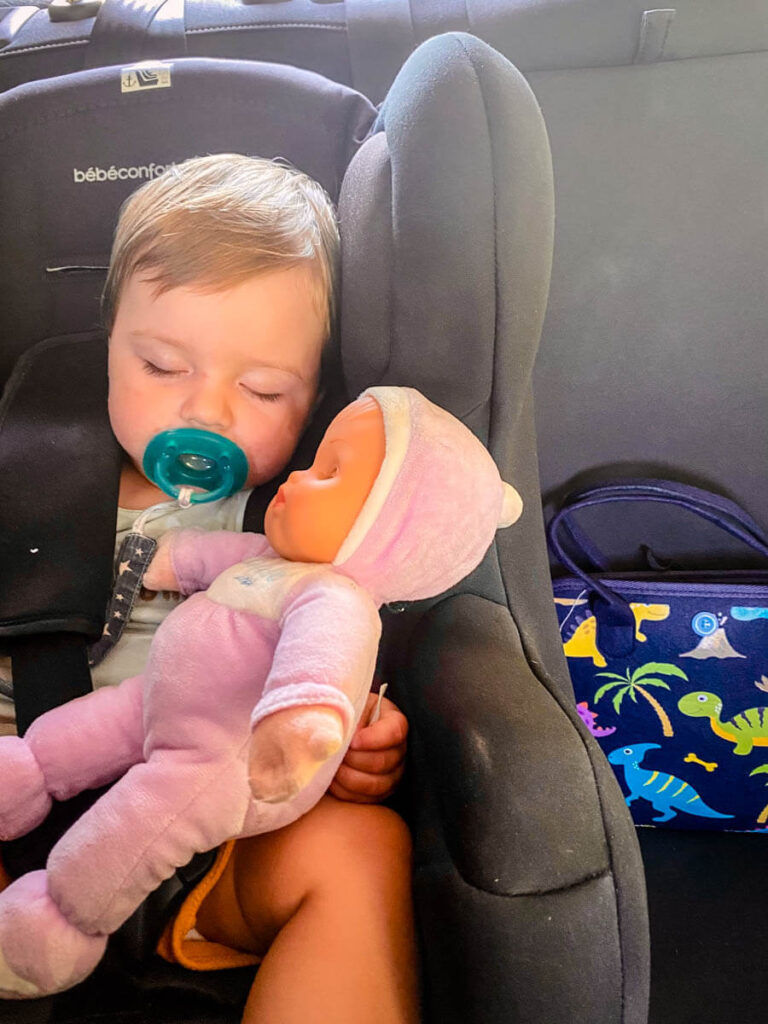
{"x":207,"y":407}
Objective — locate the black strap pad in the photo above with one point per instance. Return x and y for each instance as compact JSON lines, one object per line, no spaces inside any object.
{"x":59,"y":477}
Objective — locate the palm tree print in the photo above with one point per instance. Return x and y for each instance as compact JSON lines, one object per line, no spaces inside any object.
{"x":762,"y":770}
{"x":637,"y":682}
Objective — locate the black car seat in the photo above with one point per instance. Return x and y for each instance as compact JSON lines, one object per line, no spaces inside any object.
{"x":653,"y":363}
{"x":528,"y":883}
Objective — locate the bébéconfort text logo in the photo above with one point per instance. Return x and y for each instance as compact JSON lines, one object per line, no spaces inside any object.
{"x":140,"y":172}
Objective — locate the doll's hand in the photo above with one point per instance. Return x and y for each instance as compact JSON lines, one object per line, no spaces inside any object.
{"x":375,"y":761}
{"x":160,"y":574}
{"x":289,"y":747}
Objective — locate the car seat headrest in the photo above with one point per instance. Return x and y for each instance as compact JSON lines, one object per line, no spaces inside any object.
{"x":73,"y":148}
{"x":446,"y":217}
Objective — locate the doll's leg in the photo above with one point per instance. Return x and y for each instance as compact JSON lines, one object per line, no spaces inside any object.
{"x":53,"y":924}
{"x":149,"y":823}
{"x":80,"y":745}
{"x":40,"y":951}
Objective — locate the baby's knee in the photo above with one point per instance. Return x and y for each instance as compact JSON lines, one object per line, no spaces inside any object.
{"x":342,"y":861}
{"x":370,"y":835}
{"x":356,"y":856}
{"x":336,"y":847}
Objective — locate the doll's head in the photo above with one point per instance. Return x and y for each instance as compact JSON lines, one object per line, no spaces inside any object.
{"x":402,"y":497}
{"x":315,"y":509}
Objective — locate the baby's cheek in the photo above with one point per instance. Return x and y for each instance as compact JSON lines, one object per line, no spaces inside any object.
{"x":267,"y":459}
{"x":127,"y":417}
{"x":276,"y":443}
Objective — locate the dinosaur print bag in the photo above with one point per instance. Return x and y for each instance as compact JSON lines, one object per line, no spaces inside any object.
{"x":670,"y":670}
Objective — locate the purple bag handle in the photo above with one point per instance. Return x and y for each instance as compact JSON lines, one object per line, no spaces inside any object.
{"x":615,"y":620}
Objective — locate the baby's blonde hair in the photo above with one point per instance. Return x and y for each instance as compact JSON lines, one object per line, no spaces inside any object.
{"x":215,"y":221}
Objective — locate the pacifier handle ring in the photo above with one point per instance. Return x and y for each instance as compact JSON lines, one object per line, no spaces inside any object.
{"x":166,"y":461}
{"x":192,"y":458}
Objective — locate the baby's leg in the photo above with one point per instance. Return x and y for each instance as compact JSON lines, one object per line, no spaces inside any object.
{"x":328,"y":901}
{"x":80,"y":745}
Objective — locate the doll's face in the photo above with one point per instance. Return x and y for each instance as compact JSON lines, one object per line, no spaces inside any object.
{"x":313,"y":511}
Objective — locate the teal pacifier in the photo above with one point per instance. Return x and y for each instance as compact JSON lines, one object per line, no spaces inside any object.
{"x":188,"y":457}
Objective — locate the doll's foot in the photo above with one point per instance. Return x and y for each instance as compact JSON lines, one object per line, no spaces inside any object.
{"x":288,"y":749}
{"x":40,"y":951}
{"x":24,"y":803}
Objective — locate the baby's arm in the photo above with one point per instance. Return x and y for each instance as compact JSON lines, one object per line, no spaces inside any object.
{"x":316,"y":690}
{"x":190,"y":560}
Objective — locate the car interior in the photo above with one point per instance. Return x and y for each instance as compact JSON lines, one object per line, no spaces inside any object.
{"x":554,"y":222}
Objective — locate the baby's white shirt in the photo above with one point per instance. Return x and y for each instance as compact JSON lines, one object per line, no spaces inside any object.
{"x":129,"y":655}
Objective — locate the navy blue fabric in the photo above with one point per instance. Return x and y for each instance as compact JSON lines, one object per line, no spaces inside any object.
{"x":679,"y":702}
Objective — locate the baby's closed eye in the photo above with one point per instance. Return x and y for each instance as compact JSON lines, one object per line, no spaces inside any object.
{"x":263,"y":396}
{"x":159,"y":371}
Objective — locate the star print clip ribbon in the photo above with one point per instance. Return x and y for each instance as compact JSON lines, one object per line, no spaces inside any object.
{"x":133,"y":558}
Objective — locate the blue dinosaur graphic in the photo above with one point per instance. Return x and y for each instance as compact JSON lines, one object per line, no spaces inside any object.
{"x":667,"y":793}
{"x":745,"y":614}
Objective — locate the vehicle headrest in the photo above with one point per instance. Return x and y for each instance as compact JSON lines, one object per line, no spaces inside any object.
{"x":554,"y":34}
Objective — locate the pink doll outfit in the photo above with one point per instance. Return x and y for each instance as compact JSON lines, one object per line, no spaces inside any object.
{"x":257,"y":634}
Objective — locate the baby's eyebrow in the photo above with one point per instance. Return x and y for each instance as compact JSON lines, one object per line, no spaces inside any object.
{"x":292,"y":371}
{"x":154,"y":336}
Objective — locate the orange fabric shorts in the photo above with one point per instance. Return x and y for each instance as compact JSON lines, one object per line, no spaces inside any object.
{"x":180,"y":943}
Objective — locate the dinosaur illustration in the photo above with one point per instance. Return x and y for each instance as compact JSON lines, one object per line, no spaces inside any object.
{"x":651,"y":612}
{"x":588,"y":717}
{"x":667,"y":793}
{"x":747,"y":729}
{"x":583,"y":642}
{"x":748,"y":614}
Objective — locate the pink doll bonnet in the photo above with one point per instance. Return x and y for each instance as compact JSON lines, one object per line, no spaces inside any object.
{"x":434,"y":507}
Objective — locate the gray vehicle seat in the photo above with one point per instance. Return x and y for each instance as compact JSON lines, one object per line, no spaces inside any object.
{"x":528,"y":883}
{"x":653,"y":362}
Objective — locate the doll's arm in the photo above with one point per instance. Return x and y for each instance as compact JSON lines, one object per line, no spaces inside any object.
{"x":329,"y":634}
{"x":321,"y":674}
{"x":198,"y":556}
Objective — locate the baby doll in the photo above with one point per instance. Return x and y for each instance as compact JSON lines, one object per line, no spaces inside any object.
{"x":401,"y":502}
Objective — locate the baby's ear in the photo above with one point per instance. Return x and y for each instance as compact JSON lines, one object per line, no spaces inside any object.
{"x":512,"y":506}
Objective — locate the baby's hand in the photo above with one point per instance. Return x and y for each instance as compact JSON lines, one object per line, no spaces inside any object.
{"x":160,"y":574}
{"x":289,"y":747}
{"x":375,"y":761}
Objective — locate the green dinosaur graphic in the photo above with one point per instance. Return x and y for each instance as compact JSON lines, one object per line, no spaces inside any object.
{"x":747,"y":729}
{"x":637,"y":682}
